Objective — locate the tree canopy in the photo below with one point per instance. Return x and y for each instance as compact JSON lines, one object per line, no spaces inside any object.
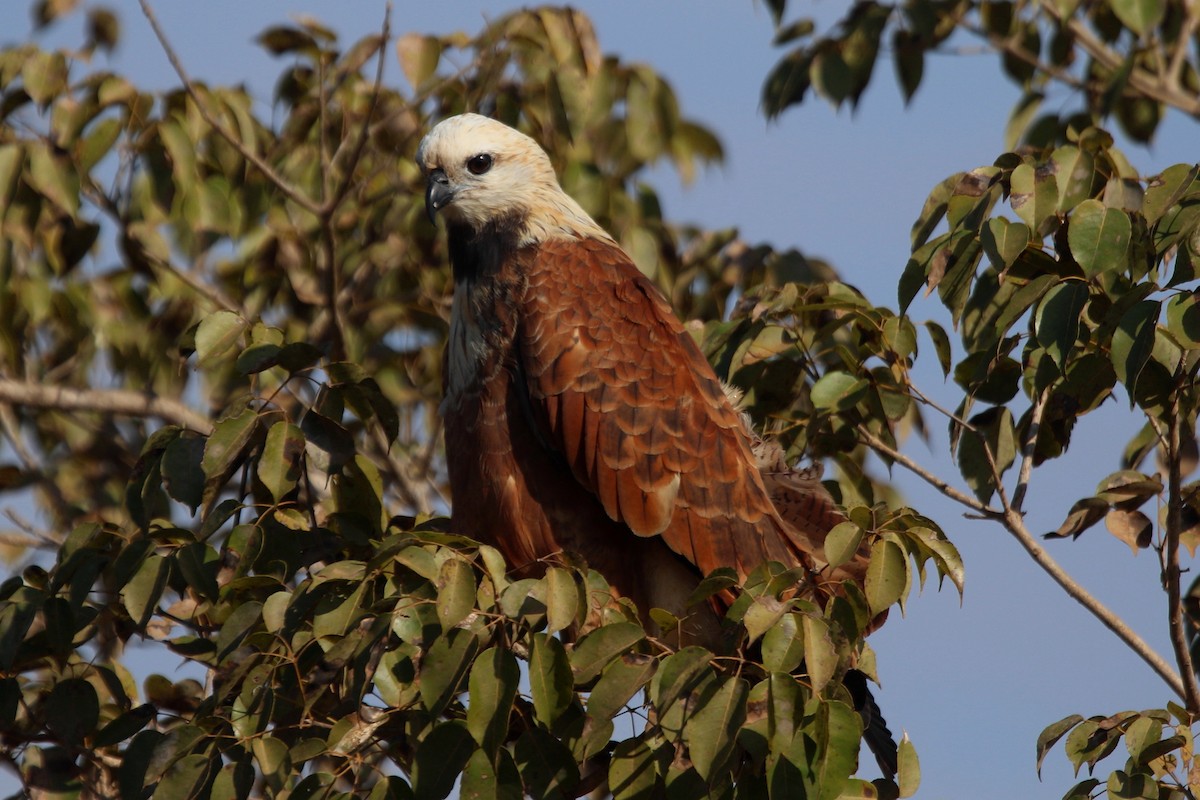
{"x":220,"y":358}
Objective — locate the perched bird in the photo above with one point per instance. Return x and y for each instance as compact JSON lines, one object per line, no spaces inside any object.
{"x":580,"y":416}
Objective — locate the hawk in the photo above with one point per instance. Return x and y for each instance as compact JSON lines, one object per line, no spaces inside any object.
{"x":580,"y":416}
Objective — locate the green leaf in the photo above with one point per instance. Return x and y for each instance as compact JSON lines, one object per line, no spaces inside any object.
{"x":562,"y":599}
{"x":440,"y":759}
{"x":45,"y":76}
{"x":1056,"y":322}
{"x":419,"y":56}
{"x":444,"y":667}
{"x":224,"y":447}
{"x":1141,"y":733}
{"x":841,"y":543}
{"x":838,"y":391}
{"x":1003,"y":241}
{"x":547,"y":767}
{"x":1183,"y":319}
{"x":820,"y":654}
{"x":1034,"y":194}
{"x":72,"y":710}
{"x":182,"y":472}
{"x":1140,"y":16}
{"x":887,"y":575}
{"x":1051,"y":734}
{"x":279,"y":467}
{"x":1133,"y":343}
{"x":711,"y":729}
{"x":140,"y":596}
{"x":1136,"y":786}
{"x":1083,"y":514}
{"x":941,"y":345}
{"x":550,"y":681}
{"x":620,"y":681}
{"x":783,"y":645}
{"x":492,"y":687}
{"x":485,"y":779}
{"x":186,"y":778}
{"x":1099,"y":238}
{"x":593,"y":652}
{"x":632,"y":773}
{"x":676,"y":675}
{"x":1075,"y":173}
{"x":456,"y":592}
{"x":762,"y":614}
{"x":1162,"y":191}
{"x":53,"y":179}
{"x":125,"y":726}
{"x":327,"y":435}
{"x":11,"y":158}
{"x":908,"y":776}
{"x":217,"y":335}
{"x":271,"y":754}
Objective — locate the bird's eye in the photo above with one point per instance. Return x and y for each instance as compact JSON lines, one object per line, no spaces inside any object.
{"x":477,"y":165}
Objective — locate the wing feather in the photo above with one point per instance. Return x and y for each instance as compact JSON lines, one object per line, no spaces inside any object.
{"x":621,"y":387}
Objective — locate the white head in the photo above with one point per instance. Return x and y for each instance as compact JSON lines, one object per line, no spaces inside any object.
{"x":481,"y":171}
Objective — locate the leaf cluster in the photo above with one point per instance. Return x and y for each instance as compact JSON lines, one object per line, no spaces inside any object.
{"x":1127,"y":60}
{"x":174,"y":250}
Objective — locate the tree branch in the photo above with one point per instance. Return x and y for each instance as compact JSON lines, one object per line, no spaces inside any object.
{"x":121,"y":402}
{"x":1139,"y":79}
{"x":1171,"y":573}
{"x":878,"y":445}
{"x":1015,"y":524}
{"x":1027,"y":450}
{"x":292,"y":193}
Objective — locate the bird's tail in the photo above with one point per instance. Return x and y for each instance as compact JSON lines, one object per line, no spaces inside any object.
{"x":875,"y":729}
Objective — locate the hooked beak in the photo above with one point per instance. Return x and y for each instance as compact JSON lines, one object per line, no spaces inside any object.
{"x":438,"y":193}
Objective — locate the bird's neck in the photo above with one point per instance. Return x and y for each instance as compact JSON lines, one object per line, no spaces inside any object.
{"x":488,"y":286}
{"x":477,"y":255}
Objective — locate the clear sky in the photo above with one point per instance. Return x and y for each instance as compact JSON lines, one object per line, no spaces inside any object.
{"x":973,"y":685}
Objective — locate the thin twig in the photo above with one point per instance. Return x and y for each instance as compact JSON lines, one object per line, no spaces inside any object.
{"x":1015,"y":524}
{"x":1182,"y":45}
{"x":1141,"y":81}
{"x":339,"y":194}
{"x":1179,"y":644}
{"x":877,"y":444}
{"x":292,"y":193}
{"x":121,"y":402}
{"x":211,"y":293}
{"x":1028,"y":449}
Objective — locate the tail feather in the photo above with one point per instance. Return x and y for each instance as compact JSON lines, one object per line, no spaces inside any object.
{"x":875,"y":730}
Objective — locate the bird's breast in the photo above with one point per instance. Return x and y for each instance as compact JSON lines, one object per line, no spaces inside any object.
{"x":466,"y":346}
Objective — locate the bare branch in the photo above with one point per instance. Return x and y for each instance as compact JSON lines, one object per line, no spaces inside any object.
{"x":1027,"y":450}
{"x":121,"y":402}
{"x":1182,"y":45}
{"x":292,"y":193}
{"x":1171,"y":573}
{"x":1141,"y":81}
{"x":878,"y":445}
{"x":360,"y":144}
{"x":1015,"y":524}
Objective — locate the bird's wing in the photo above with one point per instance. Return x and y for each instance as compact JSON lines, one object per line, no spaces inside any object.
{"x":621,"y":390}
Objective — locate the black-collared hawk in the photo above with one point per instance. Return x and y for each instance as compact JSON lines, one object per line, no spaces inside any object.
{"x":580,"y":416}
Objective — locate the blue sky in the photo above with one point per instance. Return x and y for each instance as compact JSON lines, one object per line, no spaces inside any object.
{"x":973,"y":685}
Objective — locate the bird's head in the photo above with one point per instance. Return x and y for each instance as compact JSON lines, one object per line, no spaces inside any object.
{"x":481,"y":172}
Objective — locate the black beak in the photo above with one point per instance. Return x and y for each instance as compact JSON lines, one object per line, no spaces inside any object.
{"x":438,"y":193}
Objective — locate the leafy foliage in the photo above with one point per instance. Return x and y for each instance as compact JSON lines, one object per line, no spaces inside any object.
{"x":1070,"y":280}
{"x":164,"y":253}
{"x":281,"y":275}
